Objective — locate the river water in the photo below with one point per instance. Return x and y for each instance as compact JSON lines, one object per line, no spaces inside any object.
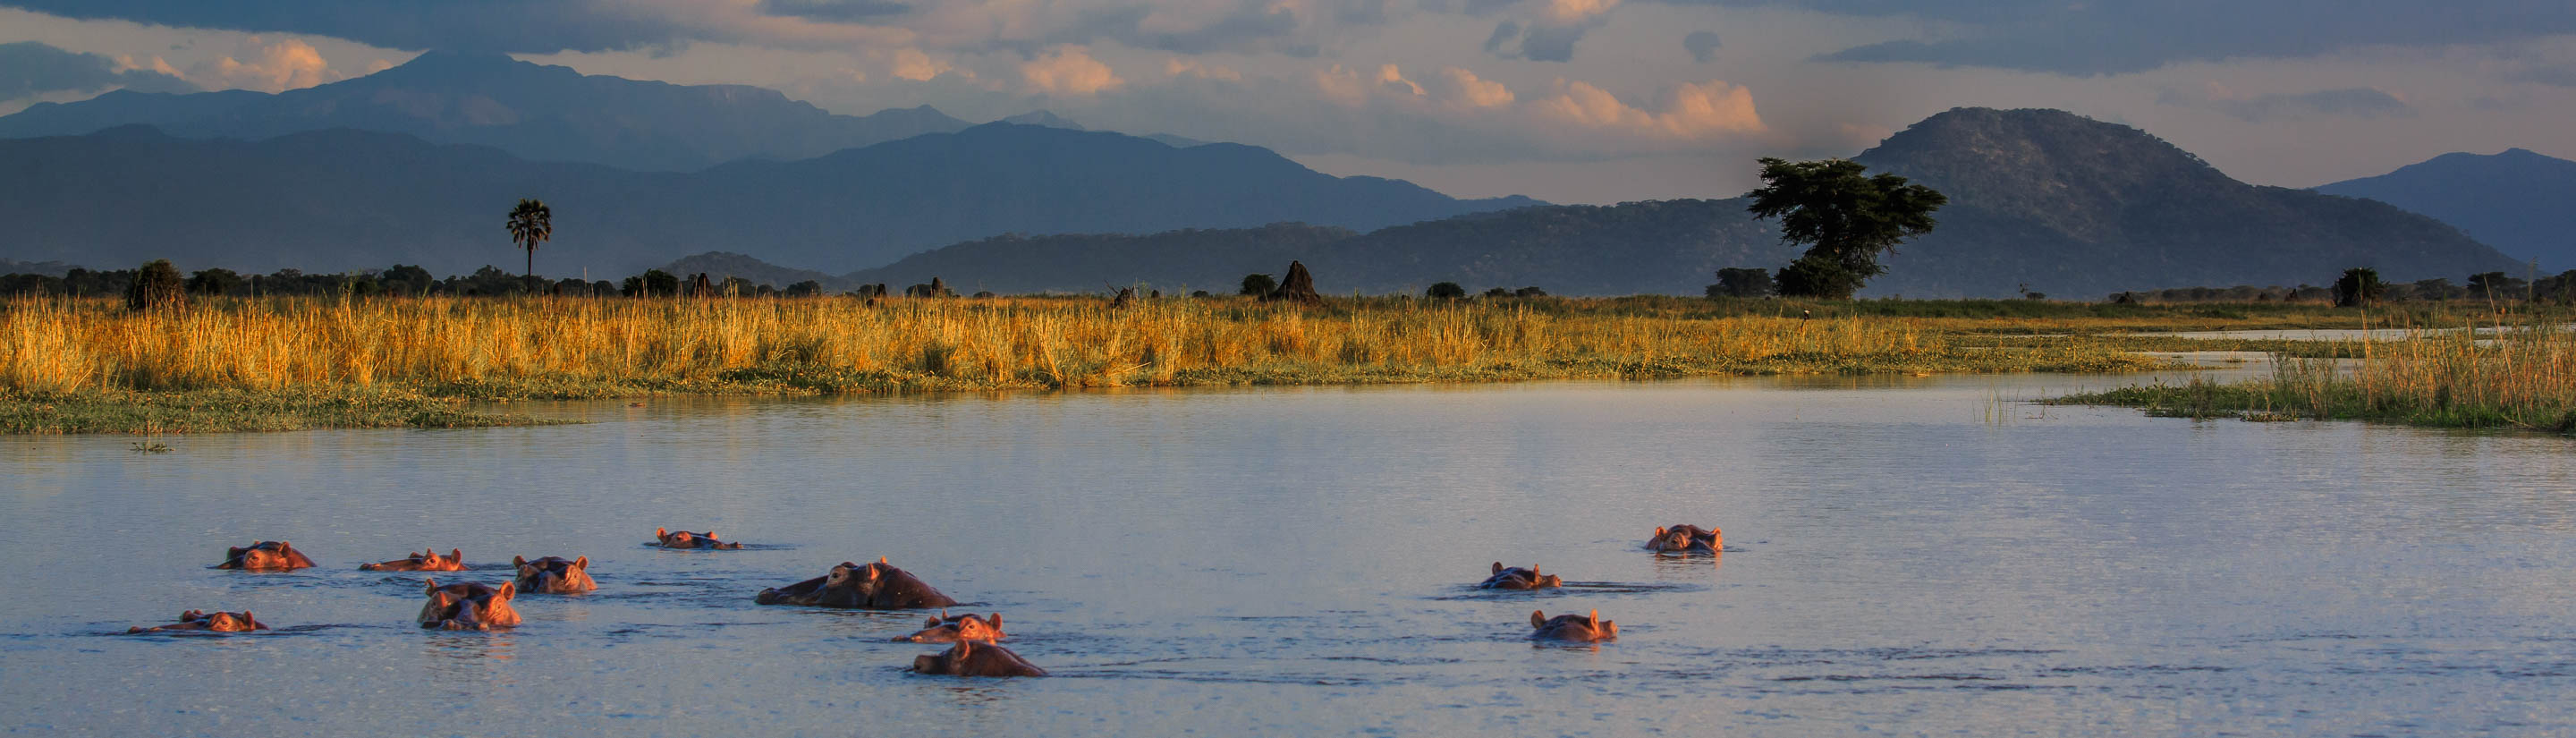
{"x":1905,"y":556}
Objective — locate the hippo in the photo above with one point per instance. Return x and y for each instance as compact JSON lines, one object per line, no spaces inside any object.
{"x":200,"y":620}
{"x":1685,"y":539}
{"x":665,"y":538}
{"x":265,"y":556}
{"x":1519,"y":578}
{"x":969,"y":658}
{"x":426,"y":560}
{"x":967,"y":627}
{"x":553,"y":575}
{"x":1584,"y":628}
{"x":469,"y":606}
{"x":877,"y":586}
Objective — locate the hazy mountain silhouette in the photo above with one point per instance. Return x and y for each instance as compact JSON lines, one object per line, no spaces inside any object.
{"x":2069,"y":206}
{"x":2516,"y":201}
{"x":344,"y":199}
{"x":538,"y":112}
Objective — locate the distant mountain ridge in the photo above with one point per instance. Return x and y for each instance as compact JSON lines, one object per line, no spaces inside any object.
{"x":346,"y":199}
{"x":2518,"y":200}
{"x":537,"y":112}
{"x":2045,"y":199}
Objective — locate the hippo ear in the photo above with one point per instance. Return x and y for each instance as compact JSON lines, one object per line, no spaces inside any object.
{"x":508,"y":590}
{"x":934,"y":622}
{"x":995,"y":621}
{"x":1533,"y":571}
{"x":431,"y":585}
{"x":1538,"y":619}
{"x":964,"y":647}
{"x":1593,"y":619}
{"x":518,"y":561}
{"x":456,"y":554}
{"x":581,"y":563}
{"x":1659,"y":531}
{"x":882,"y":560}
{"x":661,"y":532}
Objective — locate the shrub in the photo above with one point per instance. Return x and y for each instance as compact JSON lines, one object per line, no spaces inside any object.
{"x":1445,"y":291}
{"x":157,"y":286}
{"x":1258,"y":284}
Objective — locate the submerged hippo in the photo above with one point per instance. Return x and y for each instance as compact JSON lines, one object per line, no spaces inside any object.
{"x":426,"y":560}
{"x":1519,"y":578}
{"x":553,"y":575}
{"x":1685,"y":539}
{"x":665,"y":538}
{"x":1584,"y":628}
{"x":970,"y":658}
{"x":218,"y":621}
{"x":876,"y":586}
{"x":265,"y":556}
{"x":469,"y":606}
{"x":950,"y":629}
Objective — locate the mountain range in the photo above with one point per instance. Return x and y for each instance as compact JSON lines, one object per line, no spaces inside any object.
{"x":537,"y":112}
{"x":2039,"y":199}
{"x":2517,"y":201}
{"x":344,"y":199}
{"x":416,"y":164}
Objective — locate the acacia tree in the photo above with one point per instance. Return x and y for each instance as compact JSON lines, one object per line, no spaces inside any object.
{"x":1844,"y":217}
{"x":531,"y":223}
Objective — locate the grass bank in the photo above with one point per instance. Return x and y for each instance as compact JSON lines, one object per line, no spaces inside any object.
{"x":2523,"y":377}
{"x":89,"y":365}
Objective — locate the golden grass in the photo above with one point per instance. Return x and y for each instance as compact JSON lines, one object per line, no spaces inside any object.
{"x":56,"y":348}
{"x":2514,"y":376}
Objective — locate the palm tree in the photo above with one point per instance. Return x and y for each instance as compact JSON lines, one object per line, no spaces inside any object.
{"x":531,"y":223}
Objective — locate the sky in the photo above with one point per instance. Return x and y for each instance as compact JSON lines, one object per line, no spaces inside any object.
{"x":1577,"y":101}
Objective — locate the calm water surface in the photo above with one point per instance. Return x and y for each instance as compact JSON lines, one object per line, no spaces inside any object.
{"x":1906,"y":556}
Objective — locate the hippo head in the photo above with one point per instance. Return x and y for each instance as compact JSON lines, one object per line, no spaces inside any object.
{"x":685,"y":539}
{"x":1586,"y":628}
{"x":218,"y":621}
{"x":971,"y":658}
{"x":426,"y":560}
{"x":967,"y":627}
{"x":553,"y":575}
{"x":1681,"y":538}
{"x":469,"y":606}
{"x":1514,"y":577}
{"x":265,"y":556}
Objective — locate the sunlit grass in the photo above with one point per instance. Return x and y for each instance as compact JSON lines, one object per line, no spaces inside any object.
{"x":2518,"y":376}
{"x":54,"y":351}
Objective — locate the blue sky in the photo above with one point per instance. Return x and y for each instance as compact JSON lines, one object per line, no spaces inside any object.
{"x":1569,"y":100}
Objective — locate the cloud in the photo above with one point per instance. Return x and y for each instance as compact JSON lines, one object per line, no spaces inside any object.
{"x":31,"y":68}
{"x":2112,"y":37}
{"x":1069,"y":70}
{"x":834,"y":11}
{"x":1694,"y":112}
{"x":285,"y":65}
{"x":1702,"y":46}
{"x":914,"y":65}
{"x":2350,"y":102}
{"x":1346,"y":86}
{"x":1466,"y":89}
{"x":1178,"y":67}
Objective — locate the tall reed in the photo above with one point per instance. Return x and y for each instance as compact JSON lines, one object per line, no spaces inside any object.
{"x":51,"y":345}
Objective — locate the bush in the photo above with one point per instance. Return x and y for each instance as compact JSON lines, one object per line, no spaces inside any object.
{"x":1257,"y":285}
{"x":1741,"y":282}
{"x":213,"y":282}
{"x":1529,"y":292}
{"x":157,"y":286}
{"x":2358,"y":287}
{"x":1445,"y":291}
{"x":1817,"y":277}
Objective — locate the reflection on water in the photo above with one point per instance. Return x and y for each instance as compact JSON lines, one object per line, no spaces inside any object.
{"x":1909,"y":554}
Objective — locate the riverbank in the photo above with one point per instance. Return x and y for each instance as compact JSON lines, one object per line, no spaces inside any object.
{"x":90,"y":365}
{"x":2520,"y":378}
